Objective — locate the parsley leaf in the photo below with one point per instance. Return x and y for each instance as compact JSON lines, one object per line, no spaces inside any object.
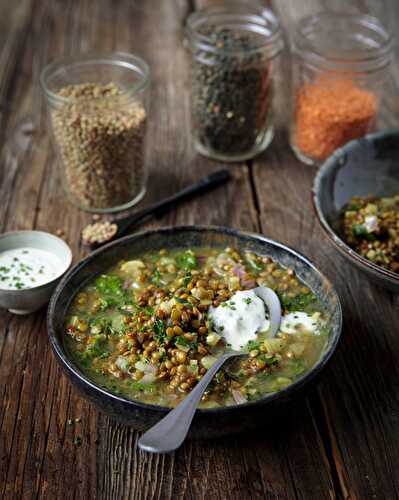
{"x":360,"y":231}
{"x":160,"y":331}
{"x":187,"y":278}
{"x":187,"y":260}
{"x":297,"y":303}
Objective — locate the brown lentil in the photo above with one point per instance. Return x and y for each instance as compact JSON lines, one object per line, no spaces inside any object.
{"x":100,"y":137}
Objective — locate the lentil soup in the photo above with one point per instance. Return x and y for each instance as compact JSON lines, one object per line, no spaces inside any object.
{"x":371,"y":227}
{"x":144,"y":329}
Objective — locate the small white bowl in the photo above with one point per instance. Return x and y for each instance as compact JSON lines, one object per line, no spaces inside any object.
{"x":28,"y":300}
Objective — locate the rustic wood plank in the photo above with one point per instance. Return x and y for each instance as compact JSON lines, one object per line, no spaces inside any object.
{"x":326,"y":446}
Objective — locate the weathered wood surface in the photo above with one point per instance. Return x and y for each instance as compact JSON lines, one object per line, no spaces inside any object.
{"x":341,"y":442}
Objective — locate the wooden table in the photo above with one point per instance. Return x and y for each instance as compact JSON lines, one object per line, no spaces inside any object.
{"x":340,"y":442}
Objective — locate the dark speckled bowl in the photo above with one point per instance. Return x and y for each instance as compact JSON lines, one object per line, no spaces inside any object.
{"x":207,"y":422}
{"x":365,"y":166}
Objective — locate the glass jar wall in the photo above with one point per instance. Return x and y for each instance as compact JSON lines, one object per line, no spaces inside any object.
{"x":233,"y":55}
{"x":340,"y":68}
{"x":98,"y":115}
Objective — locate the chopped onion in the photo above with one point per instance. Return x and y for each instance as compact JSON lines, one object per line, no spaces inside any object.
{"x":148,"y":378}
{"x":146,"y":367}
{"x":127,"y":284}
{"x":272,"y":302}
{"x":239,"y":271}
{"x":238,"y":397}
{"x":248,"y":283}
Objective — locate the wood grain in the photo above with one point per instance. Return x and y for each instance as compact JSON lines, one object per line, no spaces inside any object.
{"x":340,"y":442}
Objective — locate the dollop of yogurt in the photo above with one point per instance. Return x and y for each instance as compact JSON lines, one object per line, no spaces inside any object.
{"x":239,"y":319}
{"x":298,"y":321}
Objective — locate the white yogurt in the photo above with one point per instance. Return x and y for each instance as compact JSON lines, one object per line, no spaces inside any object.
{"x":239,"y":319}
{"x":27,"y":267}
{"x":298,"y":322}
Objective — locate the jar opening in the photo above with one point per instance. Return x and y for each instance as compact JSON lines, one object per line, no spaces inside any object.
{"x":130,"y":72}
{"x":343,"y":42}
{"x":258,"y":25}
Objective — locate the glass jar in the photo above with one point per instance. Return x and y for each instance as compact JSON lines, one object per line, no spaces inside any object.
{"x":98,"y":113}
{"x":340,"y":68}
{"x":233,"y":53}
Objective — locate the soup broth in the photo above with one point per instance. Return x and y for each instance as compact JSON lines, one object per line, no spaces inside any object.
{"x":146,"y":329}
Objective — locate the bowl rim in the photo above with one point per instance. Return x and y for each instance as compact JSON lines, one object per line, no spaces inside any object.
{"x":66,"y":362}
{"x":66,"y":264}
{"x":333,"y":163}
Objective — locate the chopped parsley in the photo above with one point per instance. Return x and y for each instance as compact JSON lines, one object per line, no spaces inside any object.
{"x":229,"y":304}
{"x":160,"y":331}
{"x":187,"y":278}
{"x":253,"y":345}
{"x":185,"y":344}
{"x":187,"y":260}
{"x":183,"y":301}
{"x":297,"y":303}
{"x":77,"y":441}
{"x":360,"y":231}
{"x":111,"y":289}
{"x":156,"y":278}
{"x":253,"y":263}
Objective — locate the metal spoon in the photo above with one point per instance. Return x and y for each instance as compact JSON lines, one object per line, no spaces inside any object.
{"x":170,"y":432}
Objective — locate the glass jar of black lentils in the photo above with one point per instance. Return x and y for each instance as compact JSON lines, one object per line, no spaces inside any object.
{"x":233,"y":65}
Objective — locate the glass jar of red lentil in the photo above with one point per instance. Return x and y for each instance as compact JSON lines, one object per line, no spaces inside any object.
{"x":340,"y":74}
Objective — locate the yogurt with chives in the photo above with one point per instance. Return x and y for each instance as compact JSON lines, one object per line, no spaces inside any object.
{"x":23,"y":268}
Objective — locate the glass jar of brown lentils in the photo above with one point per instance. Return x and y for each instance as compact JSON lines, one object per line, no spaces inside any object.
{"x":234,"y":53}
{"x":98,"y":114}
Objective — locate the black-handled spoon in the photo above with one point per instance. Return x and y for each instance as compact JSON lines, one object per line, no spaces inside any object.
{"x":111,"y":230}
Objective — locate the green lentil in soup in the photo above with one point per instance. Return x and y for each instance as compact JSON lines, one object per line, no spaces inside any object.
{"x":371,"y":228}
{"x":143,"y":330}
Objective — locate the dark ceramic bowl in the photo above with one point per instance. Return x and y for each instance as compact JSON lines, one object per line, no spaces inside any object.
{"x":365,"y":166}
{"x":207,"y":422}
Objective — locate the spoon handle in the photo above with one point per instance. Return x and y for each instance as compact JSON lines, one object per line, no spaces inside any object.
{"x":169,"y":433}
{"x":204,"y":184}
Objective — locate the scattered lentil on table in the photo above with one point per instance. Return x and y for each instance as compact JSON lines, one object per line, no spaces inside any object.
{"x":371,"y":227}
{"x":99,"y":232}
{"x":100,"y":135}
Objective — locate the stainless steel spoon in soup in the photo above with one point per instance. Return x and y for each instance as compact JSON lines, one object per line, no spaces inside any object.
{"x":170,"y":432}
